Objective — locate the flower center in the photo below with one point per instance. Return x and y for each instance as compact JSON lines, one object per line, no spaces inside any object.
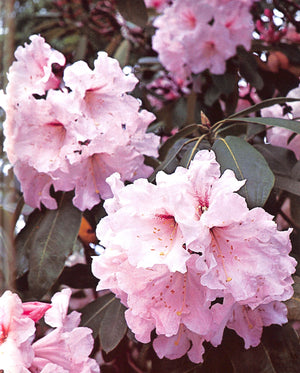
{"x":3,"y":335}
{"x":168,"y":227}
{"x":178,"y":313}
{"x":220,"y":255}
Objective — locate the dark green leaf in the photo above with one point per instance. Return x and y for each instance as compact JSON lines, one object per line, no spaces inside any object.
{"x":226,"y":83}
{"x":293,"y":304}
{"x":79,"y":276}
{"x":247,"y":163}
{"x":234,"y":129}
{"x":281,"y":345}
{"x":171,"y":162}
{"x":296,"y":171}
{"x":122,"y":53}
{"x":93,"y":313}
{"x":262,"y":105}
{"x":287,"y":184}
{"x":133,"y":11}
{"x":278,"y":351}
{"x":7,"y":261}
{"x":249,"y":68}
{"x":212,"y":94}
{"x":48,"y":239}
{"x":186,"y":131}
{"x":295,"y":207}
{"x":113,"y":326}
{"x":280,"y":160}
{"x":182,"y":365}
{"x":293,"y":125}
{"x":254,"y":129}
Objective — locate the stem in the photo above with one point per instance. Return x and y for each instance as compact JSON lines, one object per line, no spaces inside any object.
{"x":194,"y":149}
{"x":191,"y":105}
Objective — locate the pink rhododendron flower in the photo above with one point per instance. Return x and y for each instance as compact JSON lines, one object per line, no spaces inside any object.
{"x":193,"y":36}
{"x":16,"y":335}
{"x":64,"y":349}
{"x":73,"y":138}
{"x":67,"y":346}
{"x":159,"y":5}
{"x":32,"y":72}
{"x":281,"y":136}
{"x":173,"y":249}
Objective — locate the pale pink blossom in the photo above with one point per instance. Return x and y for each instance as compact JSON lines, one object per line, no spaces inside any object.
{"x":16,"y":335}
{"x":175,"y":248}
{"x":159,"y":5}
{"x":75,"y":137}
{"x":193,"y":36}
{"x":292,"y":36}
{"x":35,"y":310}
{"x":249,"y":323}
{"x":32,"y":71}
{"x":178,"y":345}
{"x":67,"y":346}
{"x":281,"y":136}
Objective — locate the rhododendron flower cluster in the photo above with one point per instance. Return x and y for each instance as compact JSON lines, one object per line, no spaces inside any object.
{"x":64,"y":349}
{"x":188,"y":258}
{"x":73,"y":133}
{"x":281,"y":136}
{"x":193,"y":35}
{"x":166,"y":88}
{"x":159,"y":5}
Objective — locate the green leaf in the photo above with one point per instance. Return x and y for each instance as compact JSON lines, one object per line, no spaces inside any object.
{"x":92,"y":314}
{"x":47,"y":240}
{"x":293,"y":125}
{"x":122,"y":53}
{"x":287,"y":184}
{"x":170,"y":161}
{"x":247,"y":163}
{"x":293,"y":304}
{"x":226,"y":83}
{"x":278,"y":351}
{"x":168,"y":144}
{"x":280,"y":160}
{"x":7,"y":261}
{"x":113,"y":326}
{"x":249,"y":68}
{"x":266,"y":103}
{"x":133,"y":11}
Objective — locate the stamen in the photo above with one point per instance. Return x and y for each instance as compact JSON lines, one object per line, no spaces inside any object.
{"x":228,"y":278}
{"x":176,"y":343}
{"x":93,"y":175}
{"x":250,"y":326}
{"x":178,"y":313}
{"x":170,"y":221}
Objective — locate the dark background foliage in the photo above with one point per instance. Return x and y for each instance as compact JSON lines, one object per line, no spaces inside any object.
{"x":79,"y":29}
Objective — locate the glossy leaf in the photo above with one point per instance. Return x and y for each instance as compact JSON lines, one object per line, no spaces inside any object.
{"x":168,"y":144}
{"x":113,"y":326}
{"x":48,"y":239}
{"x":93,"y":313}
{"x":122,"y":53}
{"x":6,"y":261}
{"x":171,"y":160}
{"x":280,"y":160}
{"x":292,"y":125}
{"x":287,"y":184}
{"x":266,"y":103}
{"x":247,"y":163}
{"x":134,"y":11}
{"x":79,"y":276}
{"x":249,"y":68}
